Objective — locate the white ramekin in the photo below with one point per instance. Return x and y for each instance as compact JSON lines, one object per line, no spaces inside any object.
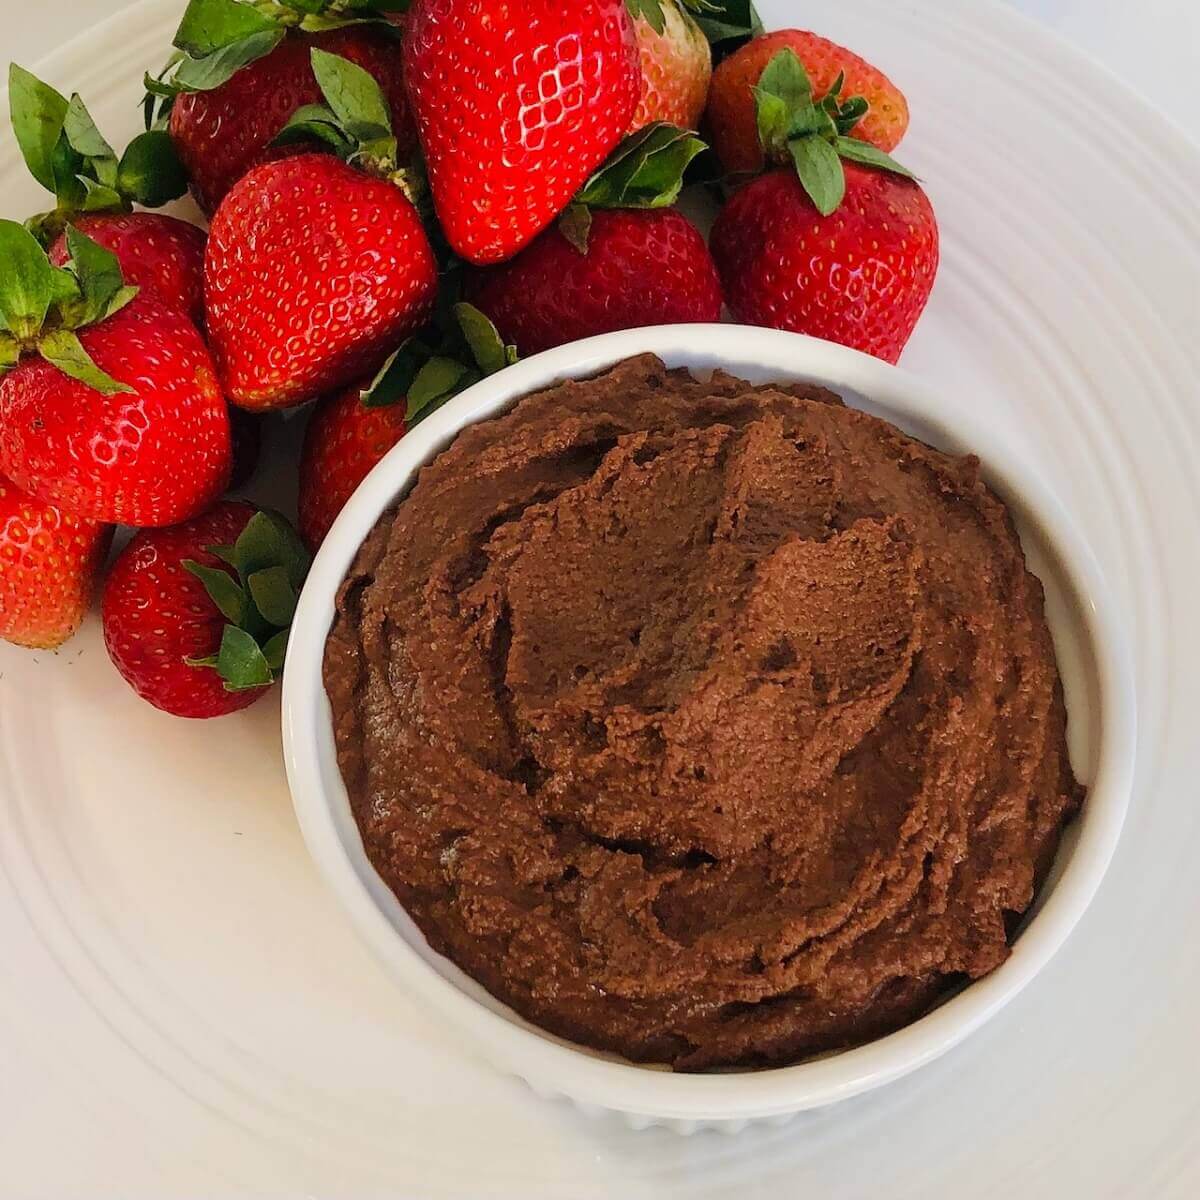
{"x":1092,"y":652}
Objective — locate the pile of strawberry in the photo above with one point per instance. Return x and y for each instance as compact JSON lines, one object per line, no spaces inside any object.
{"x":402,"y":197}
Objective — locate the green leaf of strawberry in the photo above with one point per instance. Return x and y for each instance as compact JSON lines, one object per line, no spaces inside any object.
{"x":102,"y":289}
{"x":269,"y":541}
{"x":316,"y":122}
{"x":38,"y":113}
{"x":353,"y":94}
{"x":820,"y":170}
{"x":63,"y":348}
{"x":273,"y":595}
{"x":813,"y":137}
{"x":28,"y":284}
{"x":271,"y":564}
{"x":486,"y":345}
{"x":425,"y":377}
{"x":438,"y":380}
{"x":223,"y":63}
{"x":355,"y":120}
{"x":223,"y":590}
{"x":241,"y":662}
{"x":576,"y":226}
{"x":645,"y":171}
{"x":275,"y":650}
{"x":727,"y":24}
{"x":41,"y":306}
{"x":67,"y":154}
{"x":211,"y":25}
{"x":649,"y":11}
{"x":150,"y":173}
{"x":395,"y":377}
{"x":870,"y":156}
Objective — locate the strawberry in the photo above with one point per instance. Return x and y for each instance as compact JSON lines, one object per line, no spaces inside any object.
{"x":109,"y":405}
{"x":516,"y":104}
{"x":49,"y":561}
{"x":619,"y":258}
{"x":844,"y":246}
{"x":314,"y":268}
{"x":352,"y":431}
{"x":345,"y":438}
{"x":676,"y":64}
{"x":196,"y":616}
{"x":639,"y":268}
{"x":880,"y":105}
{"x":860,"y":276}
{"x":161,"y":256}
{"x":244,"y":71}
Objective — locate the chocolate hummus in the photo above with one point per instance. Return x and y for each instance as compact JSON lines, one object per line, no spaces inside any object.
{"x":705,"y":723}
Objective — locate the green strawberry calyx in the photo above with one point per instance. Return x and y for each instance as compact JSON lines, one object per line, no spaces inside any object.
{"x":355,"y":123}
{"x":69,"y":157}
{"x":43,"y":306}
{"x":814,"y":136}
{"x":426,"y":372}
{"x":645,"y":171}
{"x":217,"y":38}
{"x":258,"y":603}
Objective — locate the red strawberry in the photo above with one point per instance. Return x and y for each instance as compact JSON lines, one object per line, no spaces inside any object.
{"x":316,"y":269}
{"x":49,"y":561}
{"x":344,"y":440}
{"x":516,"y":105}
{"x":676,"y":64}
{"x":860,"y":276}
{"x":222,"y":133}
{"x":117,"y":417}
{"x":313,"y":271}
{"x":843,"y":245}
{"x":162,"y":256}
{"x":641,"y":267}
{"x":198,"y":633}
{"x":731,"y":103}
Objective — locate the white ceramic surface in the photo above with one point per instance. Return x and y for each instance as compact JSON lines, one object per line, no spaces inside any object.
{"x":184,"y":1012}
{"x":1093,"y":657}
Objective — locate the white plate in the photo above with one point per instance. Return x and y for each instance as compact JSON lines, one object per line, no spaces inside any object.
{"x":184,"y":1011}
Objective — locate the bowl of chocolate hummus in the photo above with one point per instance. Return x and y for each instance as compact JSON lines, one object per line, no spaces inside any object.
{"x":712,"y":723}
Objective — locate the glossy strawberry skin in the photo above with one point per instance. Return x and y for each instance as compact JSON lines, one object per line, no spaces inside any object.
{"x":153,"y":456}
{"x":732,"y":117}
{"x":223,"y":133}
{"x":642,"y":267}
{"x":860,"y":276}
{"x":49,"y":561}
{"x":159,"y":254}
{"x":344,"y":440}
{"x":157,"y":615}
{"x":676,"y":70}
{"x":314,"y":273}
{"x":516,"y":102}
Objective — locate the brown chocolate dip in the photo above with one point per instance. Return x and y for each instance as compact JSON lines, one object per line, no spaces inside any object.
{"x":709,"y":724}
